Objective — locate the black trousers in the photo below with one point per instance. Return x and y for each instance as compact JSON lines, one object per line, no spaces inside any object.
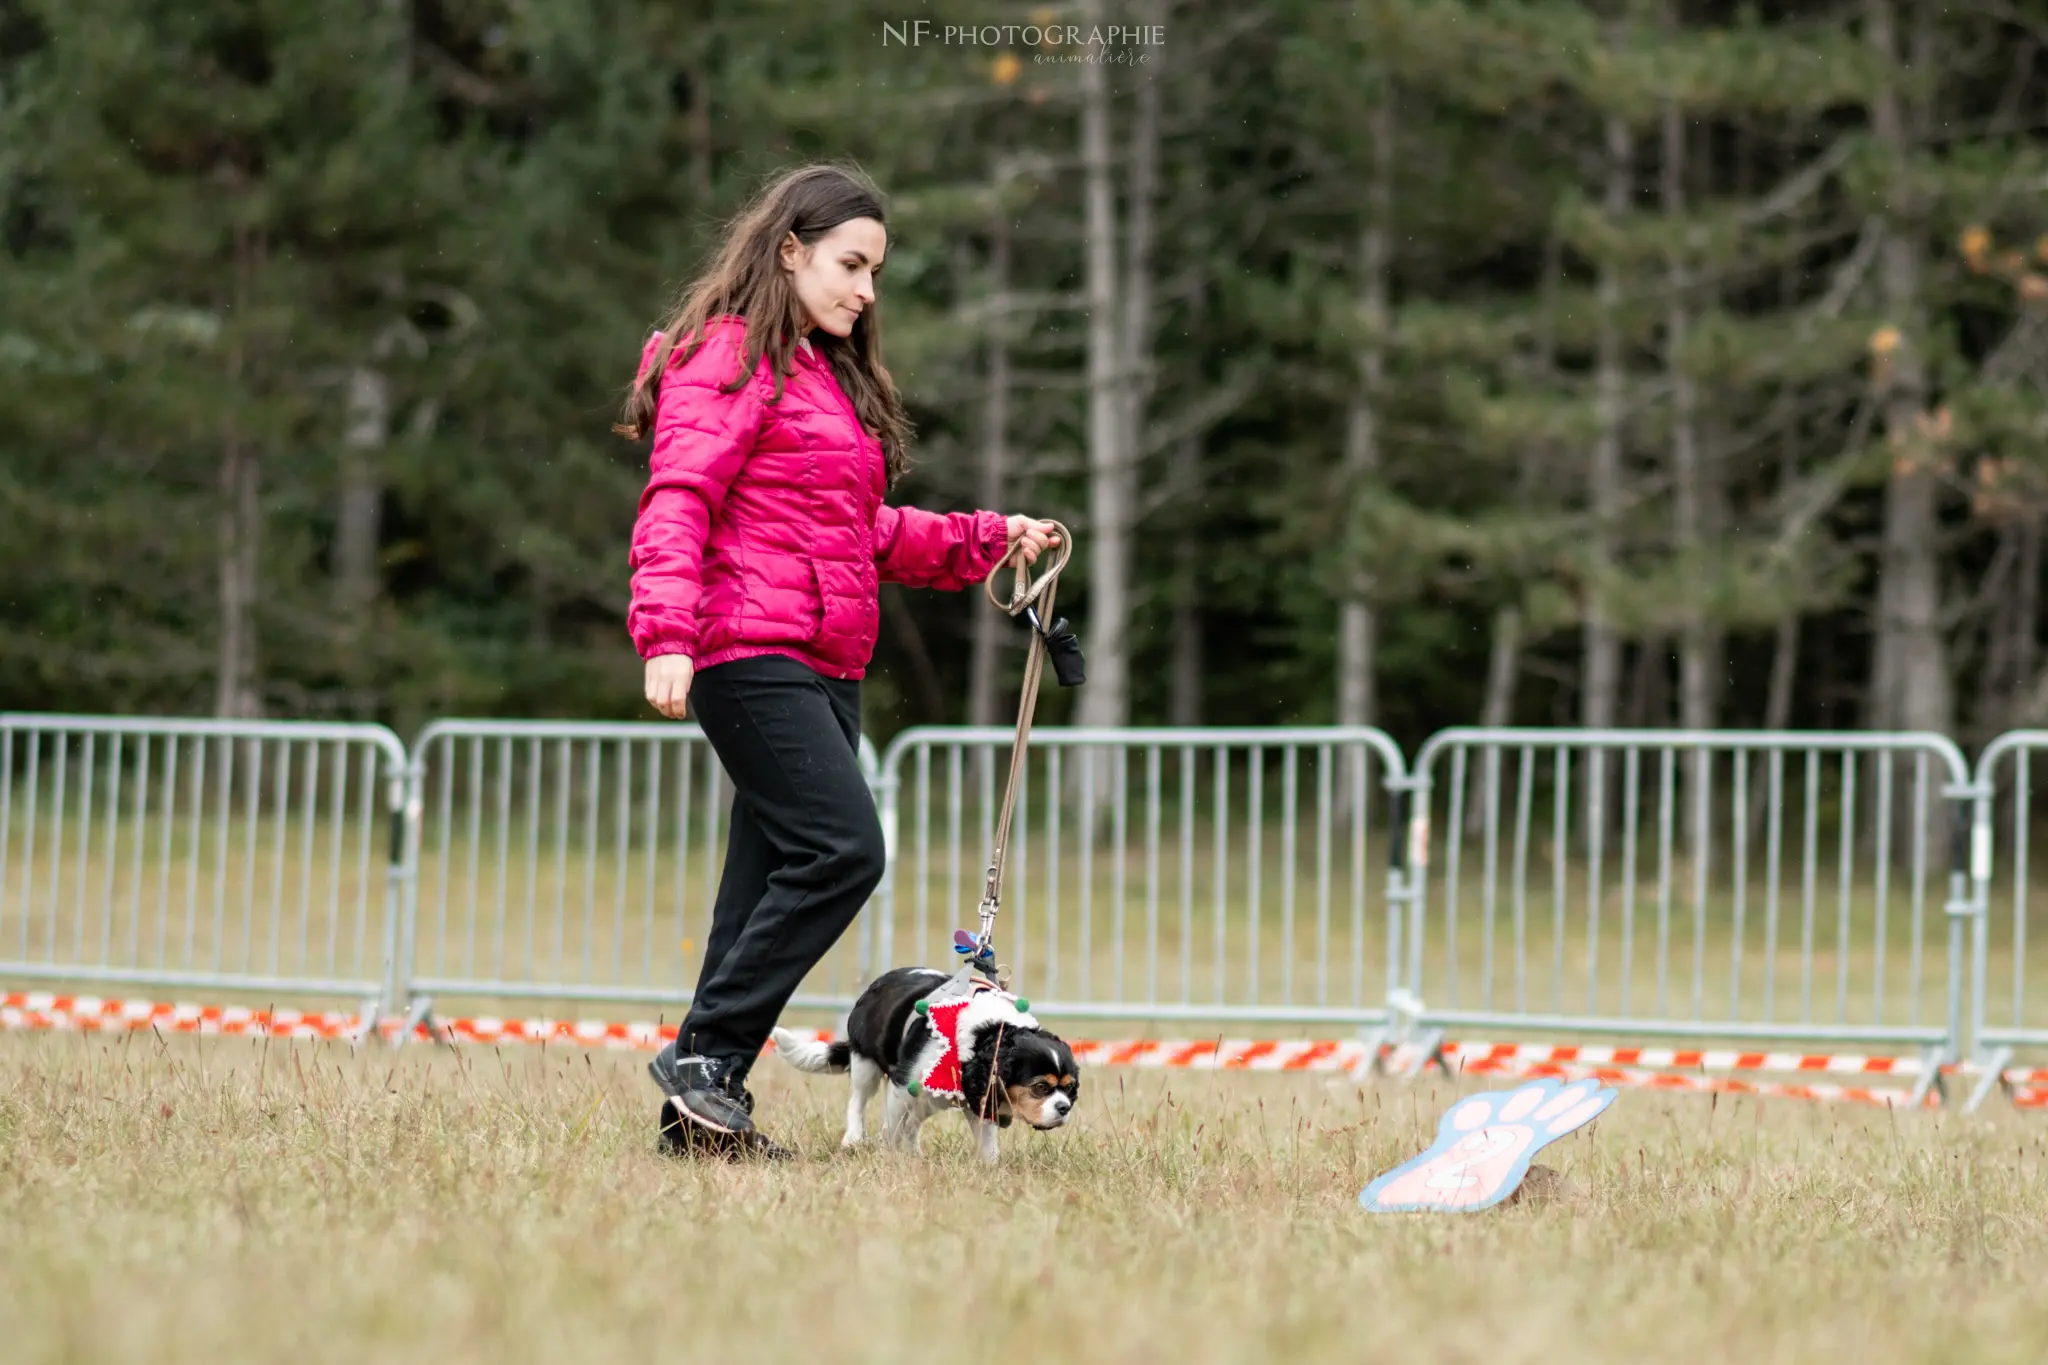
{"x":804,"y":850}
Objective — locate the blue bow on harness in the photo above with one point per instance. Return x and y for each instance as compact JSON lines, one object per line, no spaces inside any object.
{"x":978,"y":952}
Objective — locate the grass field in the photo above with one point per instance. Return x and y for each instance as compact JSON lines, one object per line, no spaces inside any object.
{"x":227,"y":1200}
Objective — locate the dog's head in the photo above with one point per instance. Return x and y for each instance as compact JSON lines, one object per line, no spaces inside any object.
{"x":1036,"y":1080}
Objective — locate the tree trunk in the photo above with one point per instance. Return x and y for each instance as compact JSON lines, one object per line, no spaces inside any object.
{"x":1188,"y":696}
{"x":1910,"y":687}
{"x":1785,"y":646}
{"x":700,"y":132}
{"x":237,"y":688}
{"x":1709,"y":637}
{"x":1784,"y":670}
{"x":237,"y":692}
{"x":2010,"y":585}
{"x":1105,"y":701}
{"x":1504,"y":660}
{"x":930,"y":698}
{"x":1600,"y":670}
{"x":1777,"y":711}
{"x":1358,"y":622}
{"x":1695,"y":700}
{"x":366,"y":430}
{"x":1135,"y":320}
{"x":2026,"y":611}
{"x":1647,"y":696}
{"x":1357,"y":637}
{"x":1785,"y":640}
{"x":1784,"y":664}
{"x":1186,"y":693}
{"x":1600,"y":678}
{"x":1695,"y":703}
{"x":991,"y":628}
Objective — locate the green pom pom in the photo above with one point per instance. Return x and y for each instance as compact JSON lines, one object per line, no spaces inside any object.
{"x":924,"y":1007}
{"x":914,"y":1088}
{"x":1023,"y":1005}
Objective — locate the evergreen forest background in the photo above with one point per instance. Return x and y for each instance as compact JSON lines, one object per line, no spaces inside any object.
{"x":1411,"y":362}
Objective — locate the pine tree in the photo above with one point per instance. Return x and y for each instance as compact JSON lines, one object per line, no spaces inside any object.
{"x":218,"y":210}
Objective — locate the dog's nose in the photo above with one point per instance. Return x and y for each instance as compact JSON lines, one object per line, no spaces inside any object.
{"x":1061,"y":1104}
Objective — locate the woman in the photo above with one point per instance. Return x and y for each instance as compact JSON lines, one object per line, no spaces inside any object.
{"x":761,"y":543}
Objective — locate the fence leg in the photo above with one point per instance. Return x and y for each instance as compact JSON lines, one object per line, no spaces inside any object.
{"x":419,"y":1011}
{"x":367,"y":1015}
{"x":1932,"y":1060}
{"x":1991,"y":1073}
{"x":1377,"y":1043}
{"x":1409,"y":1047}
{"x":1428,"y":1052}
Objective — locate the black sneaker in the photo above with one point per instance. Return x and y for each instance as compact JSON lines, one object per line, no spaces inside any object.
{"x":703,"y":1111}
{"x":757,"y":1142}
{"x":681,"y":1138}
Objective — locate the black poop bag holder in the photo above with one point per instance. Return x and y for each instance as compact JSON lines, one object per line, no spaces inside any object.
{"x":1032,"y":602}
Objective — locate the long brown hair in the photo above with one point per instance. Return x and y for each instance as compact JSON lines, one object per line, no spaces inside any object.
{"x":747,"y":278}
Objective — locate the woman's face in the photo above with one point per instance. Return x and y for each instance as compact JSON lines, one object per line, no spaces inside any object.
{"x":835,"y":275}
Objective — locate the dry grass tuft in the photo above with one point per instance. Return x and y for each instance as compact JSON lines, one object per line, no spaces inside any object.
{"x":230,"y":1200}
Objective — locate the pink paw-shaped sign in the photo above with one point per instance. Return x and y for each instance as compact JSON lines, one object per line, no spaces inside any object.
{"x":1483,"y":1147}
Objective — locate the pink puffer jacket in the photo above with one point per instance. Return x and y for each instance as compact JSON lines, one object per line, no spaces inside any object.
{"x":763,"y":531}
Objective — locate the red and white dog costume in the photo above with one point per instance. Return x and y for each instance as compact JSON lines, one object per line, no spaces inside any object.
{"x":956,"y":1021}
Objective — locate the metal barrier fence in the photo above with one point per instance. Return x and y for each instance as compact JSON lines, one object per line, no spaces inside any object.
{"x":1631,"y":883}
{"x":1692,"y":884}
{"x":1238,"y":916}
{"x":573,"y":861}
{"x":2002,"y":1018}
{"x":203,"y":855}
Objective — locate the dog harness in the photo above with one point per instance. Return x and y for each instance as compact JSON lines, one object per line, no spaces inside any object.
{"x":955,"y":1014}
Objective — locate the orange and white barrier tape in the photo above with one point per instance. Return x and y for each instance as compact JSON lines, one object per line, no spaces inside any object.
{"x":1683,"y":1059}
{"x":1620,"y":1066}
{"x":89,"y":1014}
{"x":1219,"y":1054}
{"x":2026,"y":1075}
{"x":1887,"y":1098}
{"x":598,"y":1034}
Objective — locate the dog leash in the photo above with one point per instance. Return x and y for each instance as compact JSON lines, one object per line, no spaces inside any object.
{"x":1034,"y":601}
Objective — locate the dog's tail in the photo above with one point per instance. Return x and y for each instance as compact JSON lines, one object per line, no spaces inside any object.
{"x":808,"y":1054}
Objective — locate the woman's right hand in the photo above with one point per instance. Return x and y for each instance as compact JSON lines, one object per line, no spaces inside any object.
{"x":668,"y":683}
{"x":1029,"y":537}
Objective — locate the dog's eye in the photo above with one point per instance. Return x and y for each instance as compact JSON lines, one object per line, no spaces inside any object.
{"x":1040,"y":1089}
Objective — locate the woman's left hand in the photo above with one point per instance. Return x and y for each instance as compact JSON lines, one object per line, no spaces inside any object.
{"x":1029,"y":537}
